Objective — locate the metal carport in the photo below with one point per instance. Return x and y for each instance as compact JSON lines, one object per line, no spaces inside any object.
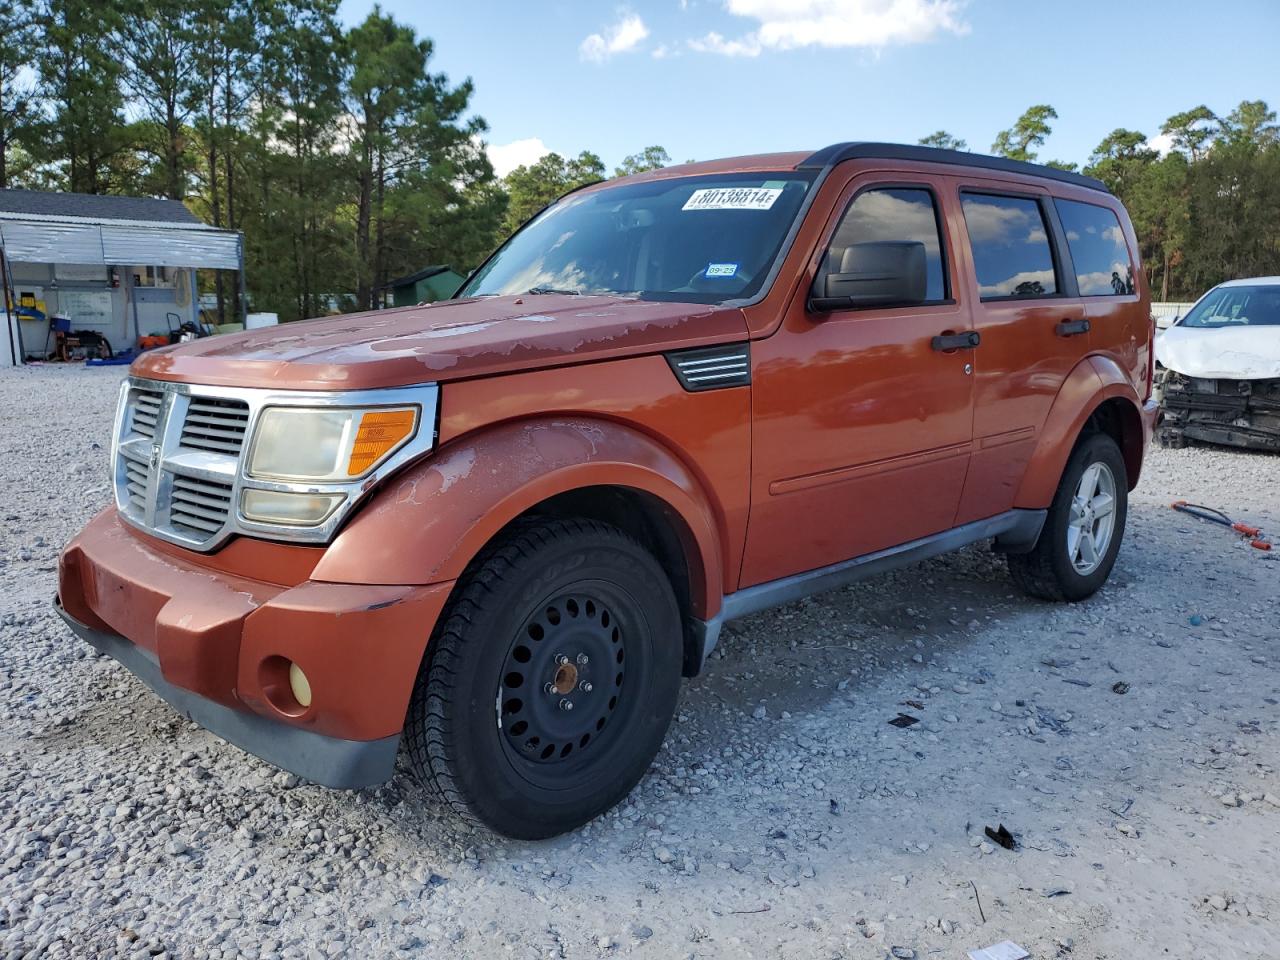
{"x":78,"y":248}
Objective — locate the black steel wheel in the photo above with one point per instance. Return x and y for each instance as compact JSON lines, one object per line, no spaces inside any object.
{"x":563,"y":679}
{"x":551,"y":680}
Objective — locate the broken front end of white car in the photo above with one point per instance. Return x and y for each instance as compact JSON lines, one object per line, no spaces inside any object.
{"x":1238,"y":413}
{"x":1218,"y":369}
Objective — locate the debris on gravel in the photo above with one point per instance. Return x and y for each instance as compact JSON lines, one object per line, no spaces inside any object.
{"x":783,"y":818}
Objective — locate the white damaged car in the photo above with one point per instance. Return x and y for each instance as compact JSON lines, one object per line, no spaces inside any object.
{"x":1218,"y":368}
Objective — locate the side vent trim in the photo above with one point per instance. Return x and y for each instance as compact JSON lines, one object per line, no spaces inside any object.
{"x":711,"y":368}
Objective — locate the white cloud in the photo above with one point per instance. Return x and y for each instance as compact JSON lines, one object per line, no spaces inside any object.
{"x":627,"y":34}
{"x":788,"y":24}
{"x":507,"y":156}
{"x":748,"y":46}
{"x":1162,"y":143}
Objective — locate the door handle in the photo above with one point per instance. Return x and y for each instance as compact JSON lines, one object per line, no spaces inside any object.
{"x":957,"y":341}
{"x":1071,"y":328}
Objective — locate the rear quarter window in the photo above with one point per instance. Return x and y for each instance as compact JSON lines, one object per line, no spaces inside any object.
{"x":1010,"y":243}
{"x":1098,"y":249}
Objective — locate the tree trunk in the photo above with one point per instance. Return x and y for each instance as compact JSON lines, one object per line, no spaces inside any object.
{"x":363,"y":293}
{"x":378,"y":272}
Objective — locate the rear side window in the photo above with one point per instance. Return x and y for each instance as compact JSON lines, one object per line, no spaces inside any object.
{"x":1098,"y":250}
{"x":894,"y":214}
{"x":1010,"y":245}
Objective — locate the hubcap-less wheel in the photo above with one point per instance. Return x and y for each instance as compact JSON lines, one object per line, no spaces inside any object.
{"x":561,"y":682}
{"x":1092,"y":519}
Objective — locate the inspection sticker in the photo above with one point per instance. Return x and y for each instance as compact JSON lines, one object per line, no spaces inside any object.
{"x":733,"y":198}
{"x":721,"y":269}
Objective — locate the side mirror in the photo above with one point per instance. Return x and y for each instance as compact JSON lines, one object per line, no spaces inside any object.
{"x":889,"y":273}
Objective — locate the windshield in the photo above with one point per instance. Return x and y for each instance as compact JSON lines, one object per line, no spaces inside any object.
{"x":1253,"y":306}
{"x":703,"y":239}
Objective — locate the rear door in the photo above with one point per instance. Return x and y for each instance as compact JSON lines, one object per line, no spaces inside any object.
{"x":860,"y":428}
{"x":1099,"y":239}
{"x":1033,"y":327}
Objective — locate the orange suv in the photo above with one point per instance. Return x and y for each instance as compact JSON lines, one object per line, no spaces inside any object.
{"x":501,"y":528}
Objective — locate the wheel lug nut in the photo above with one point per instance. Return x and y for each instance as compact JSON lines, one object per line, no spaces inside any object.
{"x":548,"y":688}
{"x":585,"y":686}
{"x":561,"y":659}
{"x":566,"y":704}
{"x":582,"y":659}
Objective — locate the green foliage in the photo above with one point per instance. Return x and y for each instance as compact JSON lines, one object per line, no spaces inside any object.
{"x":19,"y":113}
{"x":650,"y":158}
{"x":530,"y":188}
{"x":1030,"y":131}
{"x":943,"y":141}
{"x":1209,"y":210}
{"x":79,"y":84}
{"x":1191,"y":130}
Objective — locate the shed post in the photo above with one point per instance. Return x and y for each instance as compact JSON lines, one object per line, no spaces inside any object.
{"x":17,"y":352}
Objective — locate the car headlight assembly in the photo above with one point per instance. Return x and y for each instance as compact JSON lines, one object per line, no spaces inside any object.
{"x":327,"y":445}
{"x":304,"y":459}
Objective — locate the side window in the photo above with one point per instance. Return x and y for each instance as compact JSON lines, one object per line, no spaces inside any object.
{"x":892,"y":215}
{"x":1098,"y":250}
{"x":1010,"y":243}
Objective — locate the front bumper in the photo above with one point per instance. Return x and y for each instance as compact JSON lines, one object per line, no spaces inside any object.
{"x":330,"y":761}
{"x":216,"y":644}
{"x":1238,"y":413}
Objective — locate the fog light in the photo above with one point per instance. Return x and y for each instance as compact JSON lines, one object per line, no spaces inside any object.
{"x":296,"y":509}
{"x":300,"y":685}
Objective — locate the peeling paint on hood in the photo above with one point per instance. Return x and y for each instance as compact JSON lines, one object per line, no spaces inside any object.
{"x":443,"y":341}
{"x":1228,"y":353}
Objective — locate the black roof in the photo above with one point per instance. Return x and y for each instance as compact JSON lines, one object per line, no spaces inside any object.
{"x":422,"y":274}
{"x":94,"y":206}
{"x":839,"y":152}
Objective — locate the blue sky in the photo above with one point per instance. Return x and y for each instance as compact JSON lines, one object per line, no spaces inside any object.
{"x":715,"y":78}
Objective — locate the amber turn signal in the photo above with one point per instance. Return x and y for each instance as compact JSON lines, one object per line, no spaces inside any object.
{"x":379,"y":432}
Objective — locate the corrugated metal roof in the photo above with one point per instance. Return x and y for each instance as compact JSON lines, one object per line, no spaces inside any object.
{"x":49,"y":240}
{"x":94,"y":206}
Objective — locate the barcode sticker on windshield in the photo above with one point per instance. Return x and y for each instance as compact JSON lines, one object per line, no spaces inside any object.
{"x":733,"y":198}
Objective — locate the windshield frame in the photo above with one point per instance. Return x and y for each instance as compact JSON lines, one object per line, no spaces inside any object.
{"x":814,"y":177}
{"x":1252,"y":287}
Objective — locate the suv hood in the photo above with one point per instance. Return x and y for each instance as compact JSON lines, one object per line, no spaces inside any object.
{"x":1227,"y":353}
{"x":442,"y":341}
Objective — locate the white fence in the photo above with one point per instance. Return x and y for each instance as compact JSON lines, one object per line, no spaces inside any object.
{"x":1165,"y":313}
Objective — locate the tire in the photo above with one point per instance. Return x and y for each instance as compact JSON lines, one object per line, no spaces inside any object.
{"x":1061,"y":566}
{"x":487,"y":728}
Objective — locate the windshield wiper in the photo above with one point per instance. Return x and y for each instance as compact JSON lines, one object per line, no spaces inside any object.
{"x":537,"y":291}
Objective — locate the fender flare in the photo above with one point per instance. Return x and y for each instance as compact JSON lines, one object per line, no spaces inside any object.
{"x":429,"y":521}
{"x":1091,"y":383}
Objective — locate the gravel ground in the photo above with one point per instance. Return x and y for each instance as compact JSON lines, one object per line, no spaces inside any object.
{"x":784,"y":817}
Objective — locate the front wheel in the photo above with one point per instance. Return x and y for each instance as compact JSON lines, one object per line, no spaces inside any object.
{"x":1082,"y":533}
{"x":551,"y":681}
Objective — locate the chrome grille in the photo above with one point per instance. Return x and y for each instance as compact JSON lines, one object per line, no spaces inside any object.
{"x":215,"y":425}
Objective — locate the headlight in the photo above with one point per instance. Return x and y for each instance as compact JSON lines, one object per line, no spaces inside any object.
{"x":320,"y":444}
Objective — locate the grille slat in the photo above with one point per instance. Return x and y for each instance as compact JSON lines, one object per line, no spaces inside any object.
{"x":184,"y":519}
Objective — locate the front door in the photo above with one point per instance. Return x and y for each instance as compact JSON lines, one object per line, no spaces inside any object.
{"x":860,"y":427}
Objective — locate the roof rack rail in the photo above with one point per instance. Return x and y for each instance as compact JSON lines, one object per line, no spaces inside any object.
{"x":858,"y":150}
